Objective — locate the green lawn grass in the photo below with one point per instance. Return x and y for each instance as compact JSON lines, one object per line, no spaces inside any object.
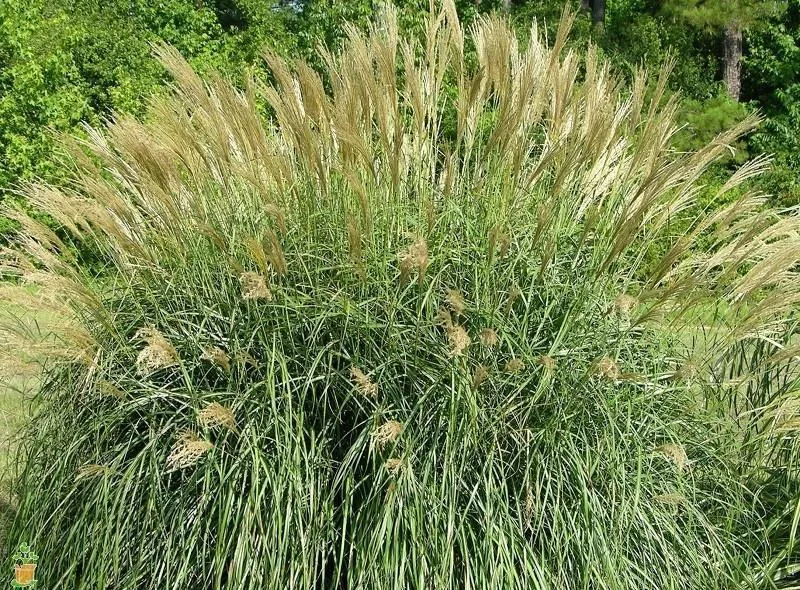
{"x":12,"y":413}
{"x":13,"y":392}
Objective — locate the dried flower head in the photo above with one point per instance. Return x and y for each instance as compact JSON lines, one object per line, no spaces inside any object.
{"x":530,"y":503}
{"x":673,"y":499}
{"x":393,"y":465}
{"x":219,"y":357}
{"x":488,"y":337}
{"x":414,"y":258}
{"x":386,"y":433}
{"x":515,"y":365}
{"x":254,"y":286}
{"x":479,"y":376}
{"x":624,"y":304}
{"x":607,"y":367}
{"x":548,"y":362}
{"x":676,"y":454}
{"x":455,"y":300}
{"x":444,"y":319}
{"x":363,"y":383}
{"x":157,"y":354}
{"x":187,"y":451}
{"x":459,"y":340}
{"x":215,"y":414}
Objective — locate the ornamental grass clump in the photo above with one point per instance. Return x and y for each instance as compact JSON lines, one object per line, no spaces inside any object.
{"x":406,"y":331}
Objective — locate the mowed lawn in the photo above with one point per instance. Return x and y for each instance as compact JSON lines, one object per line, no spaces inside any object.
{"x":14,"y":391}
{"x":12,"y":412}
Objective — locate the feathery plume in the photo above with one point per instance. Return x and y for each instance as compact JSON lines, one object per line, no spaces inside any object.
{"x":444,"y":318}
{"x":386,"y":433}
{"x":515,"y":365}
{"x":479,"y":376}
{"x":607,"y":367}
{"x":218,"y":357}
{"x":393,"y":465}
{"x":625,"y":303}
{"x":414,"y":258}
{"x":456,"y":301}
{"x":363,"y":383}
{"x":548,"y":362}
{"x":187,"y":451}
{"x":157,"y":354}
{"x":459,"y":340}
{"x":676,"y":454}
{"x":215,"y":414}
{"x":488,"y":337}
{"x":673,"y":499}
{"x":254,"y":286}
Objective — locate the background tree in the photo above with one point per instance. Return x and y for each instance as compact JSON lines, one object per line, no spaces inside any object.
{"x":598,"y":10}
{"x":732,"y":17}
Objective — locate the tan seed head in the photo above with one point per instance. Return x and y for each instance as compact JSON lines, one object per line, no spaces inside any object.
{"x":363,"y":383}
{"x":217,"y":356}
{"x":515,"y":365}
{"x":488,"y":337}
{"x":672,"y":499}
{"x":157,"y":354}
{"x":187,"y":451}
{"x":676,"y":454}
{"x":607,"y":367}
{"x":393,"y":465}
{"x":215,"y":414}
{"x":480,"y":375}
{"x":548,"y":362}
{"x":624,"y":304}
{"x":386,"y":433}
{"x":254,"y":286}
{"x":455,"y":300}
{"x":459,"y":340}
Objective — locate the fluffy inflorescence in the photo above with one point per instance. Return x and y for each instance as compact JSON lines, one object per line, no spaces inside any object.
{"x":404,"y":333}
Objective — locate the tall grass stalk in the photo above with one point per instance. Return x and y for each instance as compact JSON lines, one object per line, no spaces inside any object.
{"x":399,"y":336}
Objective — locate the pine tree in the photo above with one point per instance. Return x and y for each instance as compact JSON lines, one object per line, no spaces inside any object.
{"x":732,"y":17}
{"x":598,"y":10}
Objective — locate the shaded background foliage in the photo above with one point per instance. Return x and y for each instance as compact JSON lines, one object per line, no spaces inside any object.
{"x":67,"y":61}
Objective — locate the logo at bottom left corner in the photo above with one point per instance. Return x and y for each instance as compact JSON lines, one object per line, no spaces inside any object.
{"x":24,"y":567}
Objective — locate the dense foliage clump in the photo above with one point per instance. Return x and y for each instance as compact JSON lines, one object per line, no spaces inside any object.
{"x":344,"y":348}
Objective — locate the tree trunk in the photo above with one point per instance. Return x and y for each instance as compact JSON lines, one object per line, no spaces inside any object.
{"x":506,"y":6}
{"x":733,"y":60}
{"x":599,"y":13}
{"x":586,"y":4}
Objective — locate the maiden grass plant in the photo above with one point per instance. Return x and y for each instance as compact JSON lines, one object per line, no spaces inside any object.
{"x":340,"y":347}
